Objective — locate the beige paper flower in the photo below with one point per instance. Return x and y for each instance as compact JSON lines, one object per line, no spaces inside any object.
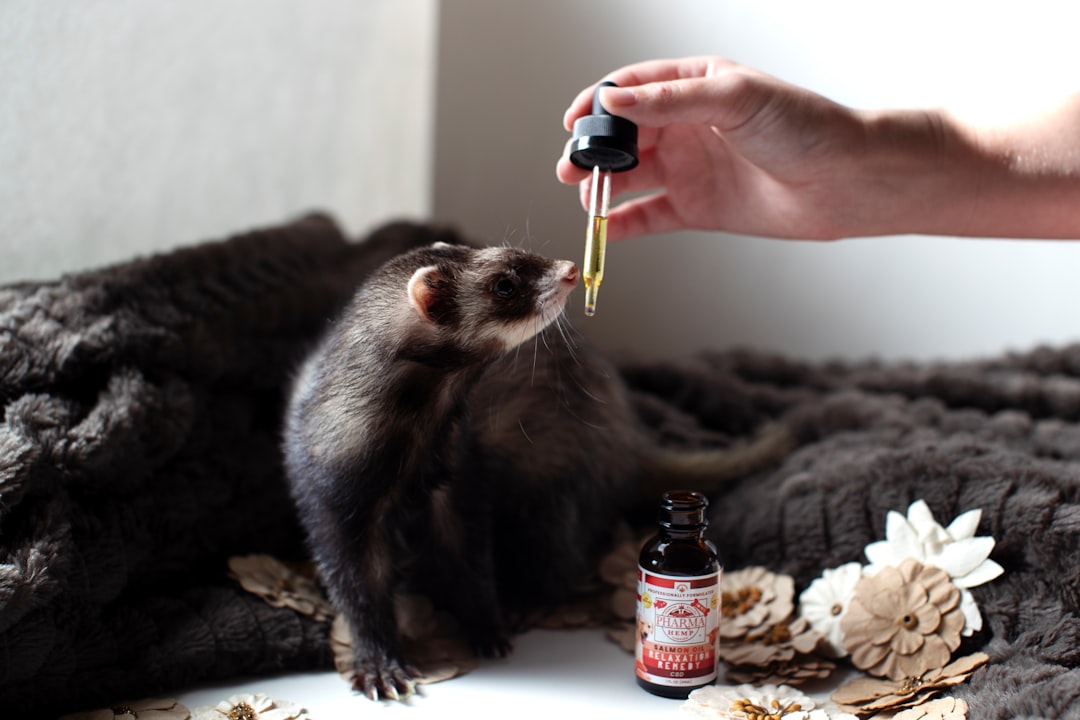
{"x":281,"y":586}
{"x":246,"y":706}
{"x":754,"y":599}
{"x":903,"y":622}
{"x":619,"y":570}
{"x":800,"y":669}
{"x":432,"y":642}
{"x":781,"y":641}
{"x":864,"y":695}
{"x":150,"y":709}
{"x":947,"y":708}
{"x":785,"y":653}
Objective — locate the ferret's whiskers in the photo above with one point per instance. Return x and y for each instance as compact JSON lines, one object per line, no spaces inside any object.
{"x":536,"y":355}
{"x":517,"y":353}
{"x":525,"y":432}
{"x":570,"y":346}
{"x":543,"y":336}
{"x":507,"y":234}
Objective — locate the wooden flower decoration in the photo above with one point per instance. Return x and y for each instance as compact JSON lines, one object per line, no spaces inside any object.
{"x":864,"y":695}
{"x":903,"y":622}
{"x":280,"y":585}
{"x":754,"y":599}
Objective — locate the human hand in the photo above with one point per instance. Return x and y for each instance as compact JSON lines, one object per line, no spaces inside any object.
{"x":726,"y":147}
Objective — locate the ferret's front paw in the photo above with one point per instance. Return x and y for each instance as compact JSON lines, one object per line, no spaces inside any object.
{"x":384,"y":679}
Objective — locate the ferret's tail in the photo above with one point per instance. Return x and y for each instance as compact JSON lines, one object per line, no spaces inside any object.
{"x":709,"y":470}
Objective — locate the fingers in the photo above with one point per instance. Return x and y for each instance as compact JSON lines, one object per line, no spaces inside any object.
{"x":726,"y":101}
{"x":648,"y":215}
{"x":568,"y":173}
{"x":650,"y":71}
{"x":644,"y":178}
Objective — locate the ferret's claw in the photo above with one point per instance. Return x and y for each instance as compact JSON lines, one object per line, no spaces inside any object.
{"x":385,"y":682}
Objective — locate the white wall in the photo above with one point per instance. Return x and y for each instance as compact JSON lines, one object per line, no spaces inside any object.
{"x":129,"y":126}
{"x":507,"y":70}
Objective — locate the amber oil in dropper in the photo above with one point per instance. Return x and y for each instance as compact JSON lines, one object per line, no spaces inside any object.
{"x":596,"y":236}
{"x":604,"y":144}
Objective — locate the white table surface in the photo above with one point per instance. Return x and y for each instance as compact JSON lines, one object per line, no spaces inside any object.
{"x":551,"y":674}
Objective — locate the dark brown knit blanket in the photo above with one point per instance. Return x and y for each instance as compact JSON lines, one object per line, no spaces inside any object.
{"x":139,"y":432}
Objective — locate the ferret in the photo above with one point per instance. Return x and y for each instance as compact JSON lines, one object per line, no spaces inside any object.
{"x":427,"y":446}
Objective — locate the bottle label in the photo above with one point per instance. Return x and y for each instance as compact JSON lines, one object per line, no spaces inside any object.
{"x":678,"y":621}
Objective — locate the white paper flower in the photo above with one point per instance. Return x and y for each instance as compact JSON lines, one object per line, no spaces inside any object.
{"x":718,"y":701}
{"x":954,"y":549}
{"x":738,"y":703}
{"x":246,"y":706}
{"x":825,"y":601}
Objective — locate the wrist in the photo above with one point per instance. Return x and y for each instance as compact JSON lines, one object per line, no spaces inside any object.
{"x":1031,"y":174}
{"x":933,"y":173}
{"x":921,"y":173}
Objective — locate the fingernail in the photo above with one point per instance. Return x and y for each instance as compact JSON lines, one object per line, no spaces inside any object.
{"x":611,"y":96}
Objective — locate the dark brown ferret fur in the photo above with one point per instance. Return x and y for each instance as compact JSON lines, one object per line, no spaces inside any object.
{"x":428,"y":444}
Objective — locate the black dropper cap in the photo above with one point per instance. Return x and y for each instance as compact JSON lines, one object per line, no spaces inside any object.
{"x":604,"y":140}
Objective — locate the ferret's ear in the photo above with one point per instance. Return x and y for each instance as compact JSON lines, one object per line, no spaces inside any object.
{"x":428,"y":290}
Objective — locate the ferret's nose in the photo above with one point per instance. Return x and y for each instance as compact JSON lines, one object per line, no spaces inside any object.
{"x":570,"y":273}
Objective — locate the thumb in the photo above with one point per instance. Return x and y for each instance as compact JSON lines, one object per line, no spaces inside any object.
{"x":727,"y":101}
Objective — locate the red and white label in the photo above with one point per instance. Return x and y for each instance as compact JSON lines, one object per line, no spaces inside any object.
{"x":678,"y":619}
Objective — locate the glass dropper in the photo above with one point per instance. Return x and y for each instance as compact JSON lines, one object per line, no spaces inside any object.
{"x":603,"y":143}
{"x":596,"y":236}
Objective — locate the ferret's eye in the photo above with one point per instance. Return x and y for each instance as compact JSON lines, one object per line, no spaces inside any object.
{"x":505,"y":287}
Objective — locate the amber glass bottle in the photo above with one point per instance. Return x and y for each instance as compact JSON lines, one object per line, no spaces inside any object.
{"x":678,"y":607}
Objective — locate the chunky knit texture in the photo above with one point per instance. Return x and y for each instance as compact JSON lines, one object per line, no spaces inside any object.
{"x":139,"y":450}
{"x":1002,"y":435}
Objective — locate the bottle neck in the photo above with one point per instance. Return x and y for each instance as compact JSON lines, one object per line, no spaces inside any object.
{"x":683,"y":533}
{"x":682,"y":514}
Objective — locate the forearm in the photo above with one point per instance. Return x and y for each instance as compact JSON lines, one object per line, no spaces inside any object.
{"x":936,"y":173}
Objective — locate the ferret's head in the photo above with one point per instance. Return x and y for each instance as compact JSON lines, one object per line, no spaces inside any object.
{"x":488,"y":299}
